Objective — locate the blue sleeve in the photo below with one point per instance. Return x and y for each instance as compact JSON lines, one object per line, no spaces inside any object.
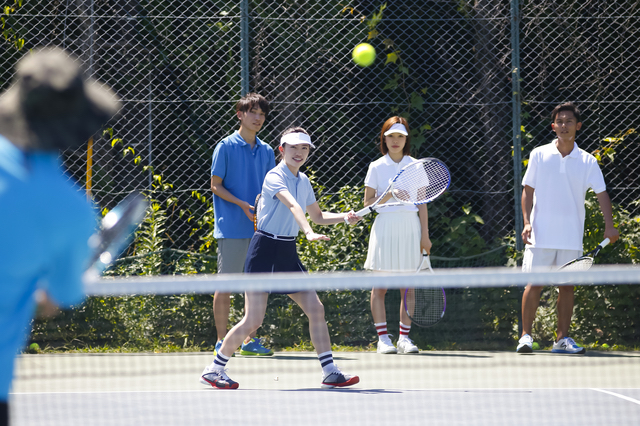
{"x":219,"y":161}
{"x":63,"y":280}
{"x":311,"y":196}
{"x":272,"y":159}
{"x":273,"y":184}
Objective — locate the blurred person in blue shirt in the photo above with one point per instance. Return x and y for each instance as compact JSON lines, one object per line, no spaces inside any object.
{"x":45,"y":221}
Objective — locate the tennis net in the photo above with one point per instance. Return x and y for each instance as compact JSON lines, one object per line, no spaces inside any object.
{"x":134,"y":352}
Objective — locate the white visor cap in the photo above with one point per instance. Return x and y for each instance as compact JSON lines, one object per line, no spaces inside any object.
{"x":397,"y":128}
{"x":296,"y":139}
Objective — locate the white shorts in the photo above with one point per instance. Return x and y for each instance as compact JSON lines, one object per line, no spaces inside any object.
{"x":394,"y":244}
{"x":542,"y":259}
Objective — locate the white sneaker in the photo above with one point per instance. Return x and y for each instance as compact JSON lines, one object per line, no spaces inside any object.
{"x":567,"y":346}
{"x":525,"y":345}
{"x":385,"y":346}
{"x":406,"y":346}
{"x":217,"y":377}
{"x":338,"y":379}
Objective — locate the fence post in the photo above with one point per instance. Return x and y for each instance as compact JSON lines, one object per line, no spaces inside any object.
{"x":244,"y":47}
{"x":516,"y":104}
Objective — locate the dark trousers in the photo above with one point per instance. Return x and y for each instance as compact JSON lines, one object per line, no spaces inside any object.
{"x":4,"y":414}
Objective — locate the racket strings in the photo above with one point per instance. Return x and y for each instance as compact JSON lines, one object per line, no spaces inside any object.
{"x":581,"y":264}
{"x":428,"y":305}
{"x":421,"y":182}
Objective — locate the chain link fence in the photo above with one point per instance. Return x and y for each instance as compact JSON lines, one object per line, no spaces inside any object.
{"x":448,"y":66}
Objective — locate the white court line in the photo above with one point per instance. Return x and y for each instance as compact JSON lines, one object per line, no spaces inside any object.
{"x":447,"y":390}
{"x":635,"y":401}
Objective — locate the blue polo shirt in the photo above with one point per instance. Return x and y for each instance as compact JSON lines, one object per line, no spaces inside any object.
{"x":242,"y":170}
{"x":45,"y":223}
{"x":274,"y":216}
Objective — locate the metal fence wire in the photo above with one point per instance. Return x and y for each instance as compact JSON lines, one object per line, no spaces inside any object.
{"x":476,"y":79}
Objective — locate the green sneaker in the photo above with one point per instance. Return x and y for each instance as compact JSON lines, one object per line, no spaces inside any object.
{"x":255,"y":348}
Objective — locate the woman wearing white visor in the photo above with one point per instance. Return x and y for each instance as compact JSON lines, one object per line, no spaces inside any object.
{"x":398,"y":235}
{"x":286,"y":195}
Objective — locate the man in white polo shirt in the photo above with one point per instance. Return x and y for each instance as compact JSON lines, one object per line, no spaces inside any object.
{"x":555,"y":185}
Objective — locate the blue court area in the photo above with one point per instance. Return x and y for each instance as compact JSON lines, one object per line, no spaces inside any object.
{"x":436,"y":388}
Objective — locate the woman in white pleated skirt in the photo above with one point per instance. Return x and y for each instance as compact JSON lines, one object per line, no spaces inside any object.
{"x":399,"y":234}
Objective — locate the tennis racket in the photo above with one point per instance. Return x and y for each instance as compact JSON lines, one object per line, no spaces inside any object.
{"x":256,"y":209}
{"x":425,"y":306}
{"x":584,"y":262}
{"x":117,"y":231}
{"x":419,"y":182}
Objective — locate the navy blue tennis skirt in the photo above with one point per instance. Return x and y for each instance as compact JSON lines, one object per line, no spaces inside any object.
{"x":267,"y":254}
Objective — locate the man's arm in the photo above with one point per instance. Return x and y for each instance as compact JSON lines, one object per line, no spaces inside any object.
{"x":219,"y":190}
{"x":610,"y":231}
{"x":527,"y":206}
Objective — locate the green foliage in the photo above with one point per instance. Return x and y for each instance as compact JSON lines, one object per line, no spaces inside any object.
{"x":6,"y":20}
{"x":347,"y":249}
{"x":405,"y":89}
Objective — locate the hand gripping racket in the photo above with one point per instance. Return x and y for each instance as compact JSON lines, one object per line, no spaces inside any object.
{"x":117,"y":230}
{"x":256,"y":209}
{"x":426,"y":305}
{"x":419,"y":182}
{"x":584,"y":262}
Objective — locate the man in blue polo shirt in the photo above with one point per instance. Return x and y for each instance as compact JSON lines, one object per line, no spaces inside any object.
{"x":240,"y":163}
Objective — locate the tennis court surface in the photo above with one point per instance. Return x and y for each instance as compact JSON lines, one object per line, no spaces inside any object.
{"x":436,"y":387}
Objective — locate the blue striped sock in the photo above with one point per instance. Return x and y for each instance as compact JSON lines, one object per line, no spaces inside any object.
{"x":326,"y":361}
{"x":220,"y":361}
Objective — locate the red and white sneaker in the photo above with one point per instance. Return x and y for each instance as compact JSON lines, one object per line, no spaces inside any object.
{"x":217,"y":377}
{"x":338,"y":379}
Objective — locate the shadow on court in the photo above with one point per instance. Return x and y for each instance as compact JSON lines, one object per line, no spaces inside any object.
{"x":441,"y":388}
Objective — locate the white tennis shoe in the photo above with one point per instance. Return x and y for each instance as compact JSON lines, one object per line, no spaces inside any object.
{"x":217,"y":377}
{"x":406,"y":346}
{"x":567,"y":346}
{"x":525,"y":345}
{"x":338,"y":379}
{"x":385,"y":346}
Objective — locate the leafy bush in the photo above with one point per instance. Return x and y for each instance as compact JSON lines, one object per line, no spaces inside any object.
{"x":475,"y":318}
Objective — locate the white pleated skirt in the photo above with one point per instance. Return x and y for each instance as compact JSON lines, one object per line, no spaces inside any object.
{"x":394,"y":244}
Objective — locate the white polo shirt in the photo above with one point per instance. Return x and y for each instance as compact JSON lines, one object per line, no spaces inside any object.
{"x":381,"y":172}
{"x":560,"y":184}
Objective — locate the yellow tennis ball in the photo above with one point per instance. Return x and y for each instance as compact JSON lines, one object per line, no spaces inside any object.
{"x":364,"y":54}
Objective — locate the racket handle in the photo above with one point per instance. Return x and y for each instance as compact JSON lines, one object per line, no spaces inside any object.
{"x":604,"y":243}
{"x":360,"y":213}
{"x":364,"y":211}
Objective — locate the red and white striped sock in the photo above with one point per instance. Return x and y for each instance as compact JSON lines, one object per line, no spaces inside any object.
{"x":381,"y":328}
{"x":404,"y":330}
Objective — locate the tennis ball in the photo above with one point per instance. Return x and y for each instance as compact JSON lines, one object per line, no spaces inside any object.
{"x":535,"y":346}
{"x":364,"y":54}
{"x":34,"y":347}
{"x":605,"y":346}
